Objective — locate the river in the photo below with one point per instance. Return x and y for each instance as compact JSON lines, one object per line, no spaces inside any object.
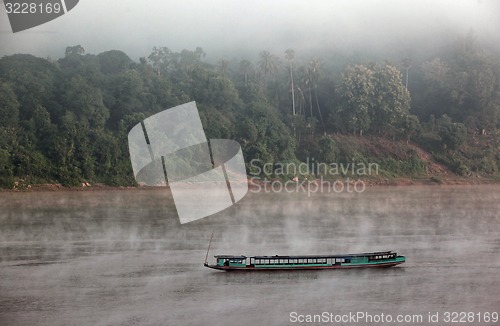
{"x":121,"y":257}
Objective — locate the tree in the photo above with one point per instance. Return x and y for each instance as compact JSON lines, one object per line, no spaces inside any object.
{"x":453,"y":134}
{"x":409,"y":126}
{"x":32,"y":79}
{"x":372,"y":98}
{"x":406,"y":62}
{"x":9,"y":106}
{"x":391,"y":103}
{"x":87,"y":66}
{"x":268,"y":65}
{"x":289,"y":55}
{"x":223,"y":67}
{"x":357,"y":90}
{"x":328,"y":151}
{"x":160,"y":59}
{"x":246,"y":68}
{"x":72,"y":50}
{"x":465,"y":86}
{"x":315,"y":67}
{"x":306,"y":86}
{"x":114,"y":62}
{"x":86,"y":102}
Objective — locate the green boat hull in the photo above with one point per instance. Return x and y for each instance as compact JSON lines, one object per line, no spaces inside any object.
{"x":350,"y":262}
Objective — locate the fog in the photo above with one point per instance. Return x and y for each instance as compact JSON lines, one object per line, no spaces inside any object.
{"x":229,"y":29}
{"x":123,"y":258}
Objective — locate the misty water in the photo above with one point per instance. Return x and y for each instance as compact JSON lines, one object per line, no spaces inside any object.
{"x":122,"y":257}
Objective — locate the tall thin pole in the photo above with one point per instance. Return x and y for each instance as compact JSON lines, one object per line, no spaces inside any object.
{"x":293,"y":91}
{"x":209,"y":243}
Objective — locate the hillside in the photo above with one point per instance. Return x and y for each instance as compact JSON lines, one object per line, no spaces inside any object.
{"x":66,"y":121}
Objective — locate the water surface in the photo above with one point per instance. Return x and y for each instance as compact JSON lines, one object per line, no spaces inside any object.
{"x":122,"y":257}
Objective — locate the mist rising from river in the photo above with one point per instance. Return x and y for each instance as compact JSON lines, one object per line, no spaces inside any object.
{"x":123,"y":258}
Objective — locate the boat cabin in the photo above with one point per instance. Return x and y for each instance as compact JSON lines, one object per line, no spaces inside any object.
{"x":234,"y":261}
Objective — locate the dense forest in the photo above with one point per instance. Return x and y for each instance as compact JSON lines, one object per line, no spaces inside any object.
{"x":66,"y":121}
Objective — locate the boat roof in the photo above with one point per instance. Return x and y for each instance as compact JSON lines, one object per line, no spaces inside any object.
{"x":307,"y":256}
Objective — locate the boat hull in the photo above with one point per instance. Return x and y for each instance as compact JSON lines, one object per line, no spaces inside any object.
{"x":292,"y":268}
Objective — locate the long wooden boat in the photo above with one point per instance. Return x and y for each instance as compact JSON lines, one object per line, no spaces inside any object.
{"x":266,"y":263}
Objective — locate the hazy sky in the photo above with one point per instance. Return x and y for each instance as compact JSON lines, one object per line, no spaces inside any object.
{"x":228,"y":28}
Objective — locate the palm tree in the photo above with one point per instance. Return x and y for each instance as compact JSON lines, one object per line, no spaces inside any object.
{"x":305,"y":86}
{"x":314,"y":70}
{"x":407,"y":65}
{"x":245,"y":68}
{"x":268,"y":65}
{"x":223,"y":67}
{"x":289,"y":55}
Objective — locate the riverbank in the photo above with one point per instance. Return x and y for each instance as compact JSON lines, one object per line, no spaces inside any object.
{"x":253,"y":183}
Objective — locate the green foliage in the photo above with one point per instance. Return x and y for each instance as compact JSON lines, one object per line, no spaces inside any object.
{"x":391,"y":106}
{"x":373,"y":98}
{"x":464,"y":85}
{"x":453,"y":134}
{"x":67,"y":121}
{"x":9,"y":106}
{"x":454,"y":161}
{"x":357,"y":90}
{"x":328,"y":150}
{"x":265,"y":138}
{"x":32,"y":79}
{"x":114,"y":62}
